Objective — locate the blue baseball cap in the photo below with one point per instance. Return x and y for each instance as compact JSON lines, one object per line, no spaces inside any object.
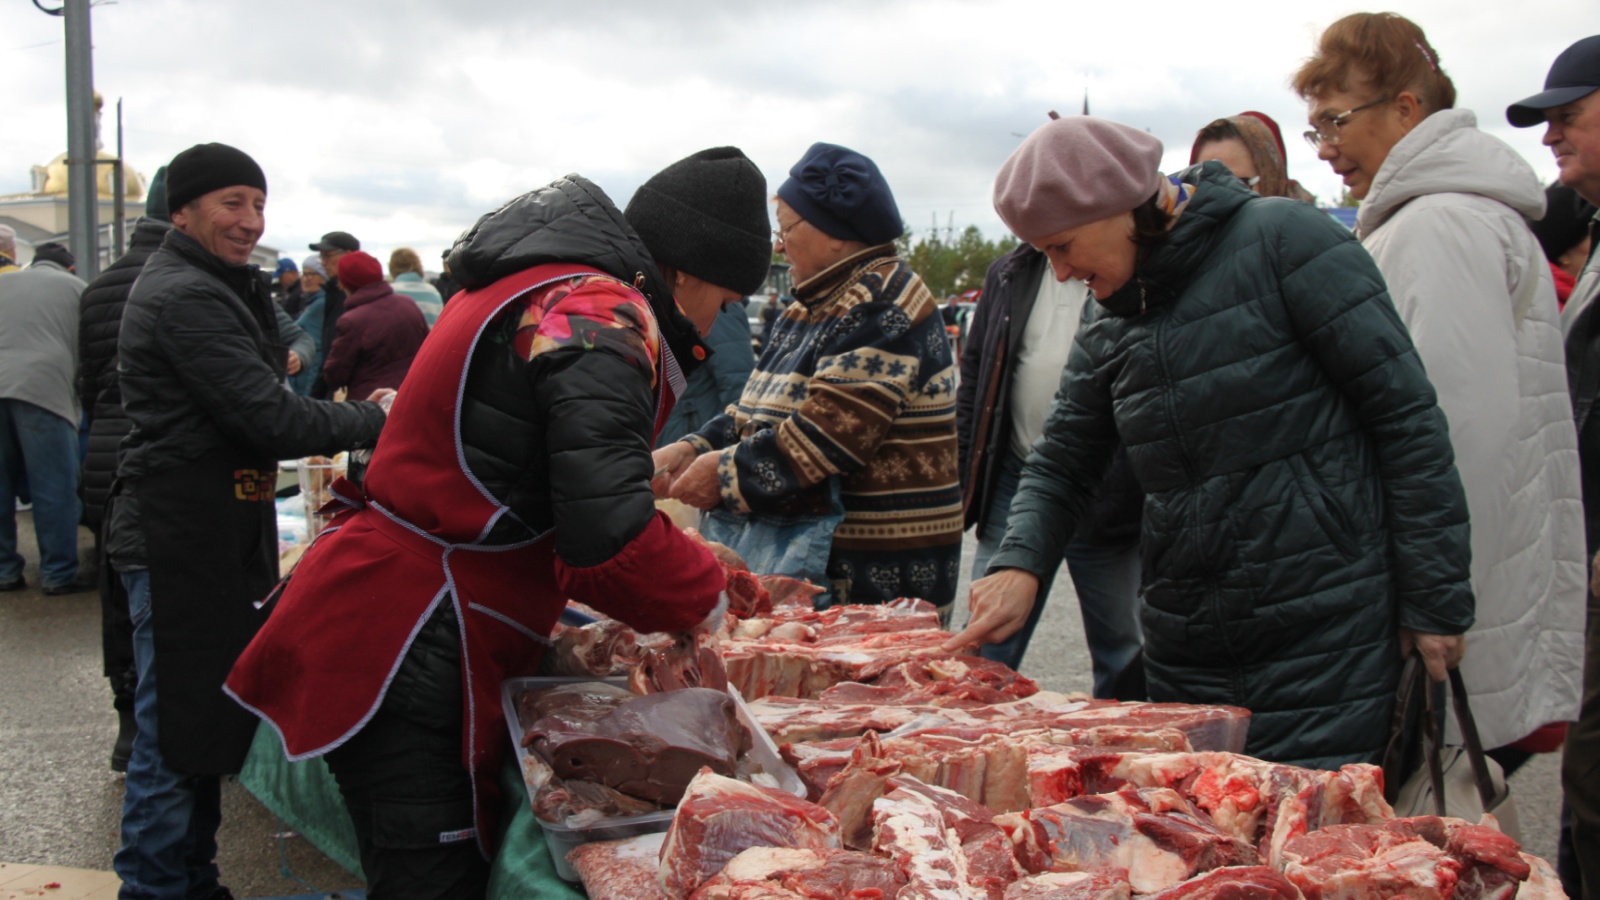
{"x":285,"y":264}
{"x":1574,"y":75}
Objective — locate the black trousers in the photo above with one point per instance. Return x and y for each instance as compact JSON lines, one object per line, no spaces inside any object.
{"x":408,"y":793}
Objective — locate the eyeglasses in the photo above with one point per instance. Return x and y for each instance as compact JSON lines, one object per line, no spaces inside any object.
{"x":1327,"y":131}
{"x":780,"y":234}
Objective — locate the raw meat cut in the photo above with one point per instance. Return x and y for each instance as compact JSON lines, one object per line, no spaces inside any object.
{"x":958,"y":681}
{"x":805,"y":668}
{"x":620,"y":870}
{"x":1234,"y":883}
{"x":773,"y":872}
{"x":792,"y":720}
{"x":789,"y":592}
{"x":599,"y":649}
{"x":648,"y":747}
{"x":1421,"y":856}
{"x":1542,"y":883}
{"x":1101,"y":884}
{"x":689,"y":659}
{"x":720,"y":817}
{"x":993,"y":769}
{"x":1152,"y":832}
{"x":947,"y":845}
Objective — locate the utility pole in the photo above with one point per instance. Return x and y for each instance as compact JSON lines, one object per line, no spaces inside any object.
{"x":83,"y":194}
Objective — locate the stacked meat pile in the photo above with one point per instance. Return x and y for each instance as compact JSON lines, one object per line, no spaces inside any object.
{"x":932,"y":775}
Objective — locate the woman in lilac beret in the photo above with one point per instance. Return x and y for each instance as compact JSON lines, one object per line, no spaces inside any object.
{"x":1304,"y":526}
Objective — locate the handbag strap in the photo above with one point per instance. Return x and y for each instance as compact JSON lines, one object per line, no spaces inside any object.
{"x":1469,"y":738}
{"x":1432,"y":745}
{"x":1395,"y":753}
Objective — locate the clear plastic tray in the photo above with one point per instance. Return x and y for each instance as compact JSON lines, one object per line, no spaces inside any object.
{"x":561,"y":839}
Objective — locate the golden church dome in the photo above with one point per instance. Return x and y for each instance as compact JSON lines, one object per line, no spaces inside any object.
{"x":51,"y":179}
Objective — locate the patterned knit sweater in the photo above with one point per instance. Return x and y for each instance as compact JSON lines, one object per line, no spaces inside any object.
{"x":857,"y":381}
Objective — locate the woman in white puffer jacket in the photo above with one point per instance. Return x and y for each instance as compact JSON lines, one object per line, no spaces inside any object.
{"x":1442,"y":213}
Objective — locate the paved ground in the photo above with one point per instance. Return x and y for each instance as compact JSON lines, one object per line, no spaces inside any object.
{"x":60,"y":803}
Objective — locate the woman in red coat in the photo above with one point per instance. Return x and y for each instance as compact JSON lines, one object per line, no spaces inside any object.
{"x":513,"y":474}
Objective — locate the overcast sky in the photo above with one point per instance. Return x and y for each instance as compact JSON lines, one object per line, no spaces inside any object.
{"x":402,"y":121}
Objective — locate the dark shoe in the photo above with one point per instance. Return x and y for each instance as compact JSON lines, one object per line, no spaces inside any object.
{"x":76,"y":586}
{"x":122,"y":751}
{"x":16,"y":584}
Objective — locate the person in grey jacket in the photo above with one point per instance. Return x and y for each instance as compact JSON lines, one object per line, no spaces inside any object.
{"x":717,"y":384}
{"x":39,"y":415}
{"x":1304,"y":525}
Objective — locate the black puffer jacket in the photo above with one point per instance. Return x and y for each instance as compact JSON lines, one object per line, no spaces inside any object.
{"x":571,"y":403}
{"x":1301,"y":499}
{"x":98,"y":327}
{"x":184,"y":403}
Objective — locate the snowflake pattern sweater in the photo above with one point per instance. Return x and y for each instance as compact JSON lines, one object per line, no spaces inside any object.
{"x":858,"y":381}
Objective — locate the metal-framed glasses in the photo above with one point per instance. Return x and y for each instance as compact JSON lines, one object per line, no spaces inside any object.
{"x":780,"y":234}
{"x":1327,"y":131}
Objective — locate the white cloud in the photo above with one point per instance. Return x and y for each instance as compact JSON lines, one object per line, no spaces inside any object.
{"x":401,"y":121}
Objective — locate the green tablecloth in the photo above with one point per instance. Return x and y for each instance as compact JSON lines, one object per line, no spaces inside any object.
{"x":305,"y":796}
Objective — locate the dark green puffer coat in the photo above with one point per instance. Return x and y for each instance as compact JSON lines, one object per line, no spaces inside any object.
{"x":1302,"y":499}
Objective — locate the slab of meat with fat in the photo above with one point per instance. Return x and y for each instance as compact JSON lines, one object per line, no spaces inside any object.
{"x":777,"y":872}
{"x":1234,"y":883}
{"x":719,"y":818}
{"x":947,"y":845}
{"x":794,"y":720}
{"x":1420,"y":857}
{"x":807,"y":666}
{"x":620,"y":870}
{"x":648,"y":747}
{"x":1101,"y":884}
{"x":1152,"y":832}
{"x":949,"y":682}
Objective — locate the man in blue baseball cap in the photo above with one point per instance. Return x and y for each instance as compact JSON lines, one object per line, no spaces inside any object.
{"x":288,"y":288}
{"x":1569,"y":106}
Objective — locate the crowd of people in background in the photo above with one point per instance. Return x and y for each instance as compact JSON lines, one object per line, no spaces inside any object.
{"x":1276,"y":457}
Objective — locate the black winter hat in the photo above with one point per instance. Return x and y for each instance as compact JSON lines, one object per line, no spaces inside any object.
{"x":204,"y":168}
{"x":1565,"y":223}
{"x":50,"y":251}
{"x":706,"y":215}
{"x":843,"y":194}
{"x":155,"y":198}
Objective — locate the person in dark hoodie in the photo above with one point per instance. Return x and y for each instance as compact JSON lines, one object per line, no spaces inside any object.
{"x":99,"y":323}
{"x":528,"y":414}
{"x":377,"y":336}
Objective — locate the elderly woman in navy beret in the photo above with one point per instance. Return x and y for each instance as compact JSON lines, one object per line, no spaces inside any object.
{"x":856,"y":388}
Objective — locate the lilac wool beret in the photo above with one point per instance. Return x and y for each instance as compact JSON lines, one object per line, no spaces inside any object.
{"x":1075,"y":170}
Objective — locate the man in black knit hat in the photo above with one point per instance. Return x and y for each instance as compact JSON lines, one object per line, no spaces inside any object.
{"x":191,"y":526}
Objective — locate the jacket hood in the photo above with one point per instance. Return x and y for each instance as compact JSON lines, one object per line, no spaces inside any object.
{"x":367,"y":293}
{"x":1162,"y":275}
{"x":1448,"y":154}
{"x":570,"y":220}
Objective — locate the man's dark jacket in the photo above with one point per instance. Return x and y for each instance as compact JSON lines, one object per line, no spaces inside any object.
{"x":98,"y":327}
{"x":202,"y":367}
{"x":983,"y":403}
{"x":379,"y":335}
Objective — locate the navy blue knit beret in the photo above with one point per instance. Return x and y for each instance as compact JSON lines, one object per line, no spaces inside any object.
{"x":842,"y":193}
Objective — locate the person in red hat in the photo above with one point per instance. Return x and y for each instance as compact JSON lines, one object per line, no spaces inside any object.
{"x":1251,"y":146}
{"x":378,"y":335}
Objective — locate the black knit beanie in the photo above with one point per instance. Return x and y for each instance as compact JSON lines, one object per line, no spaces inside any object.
{"x":204,"y":168}
{"x":155,"y":198}
{"x":706,"y":215}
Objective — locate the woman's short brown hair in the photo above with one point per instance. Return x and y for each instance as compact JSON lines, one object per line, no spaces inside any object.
{"x":1384,"y":53}
{"x":404,"y":260}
